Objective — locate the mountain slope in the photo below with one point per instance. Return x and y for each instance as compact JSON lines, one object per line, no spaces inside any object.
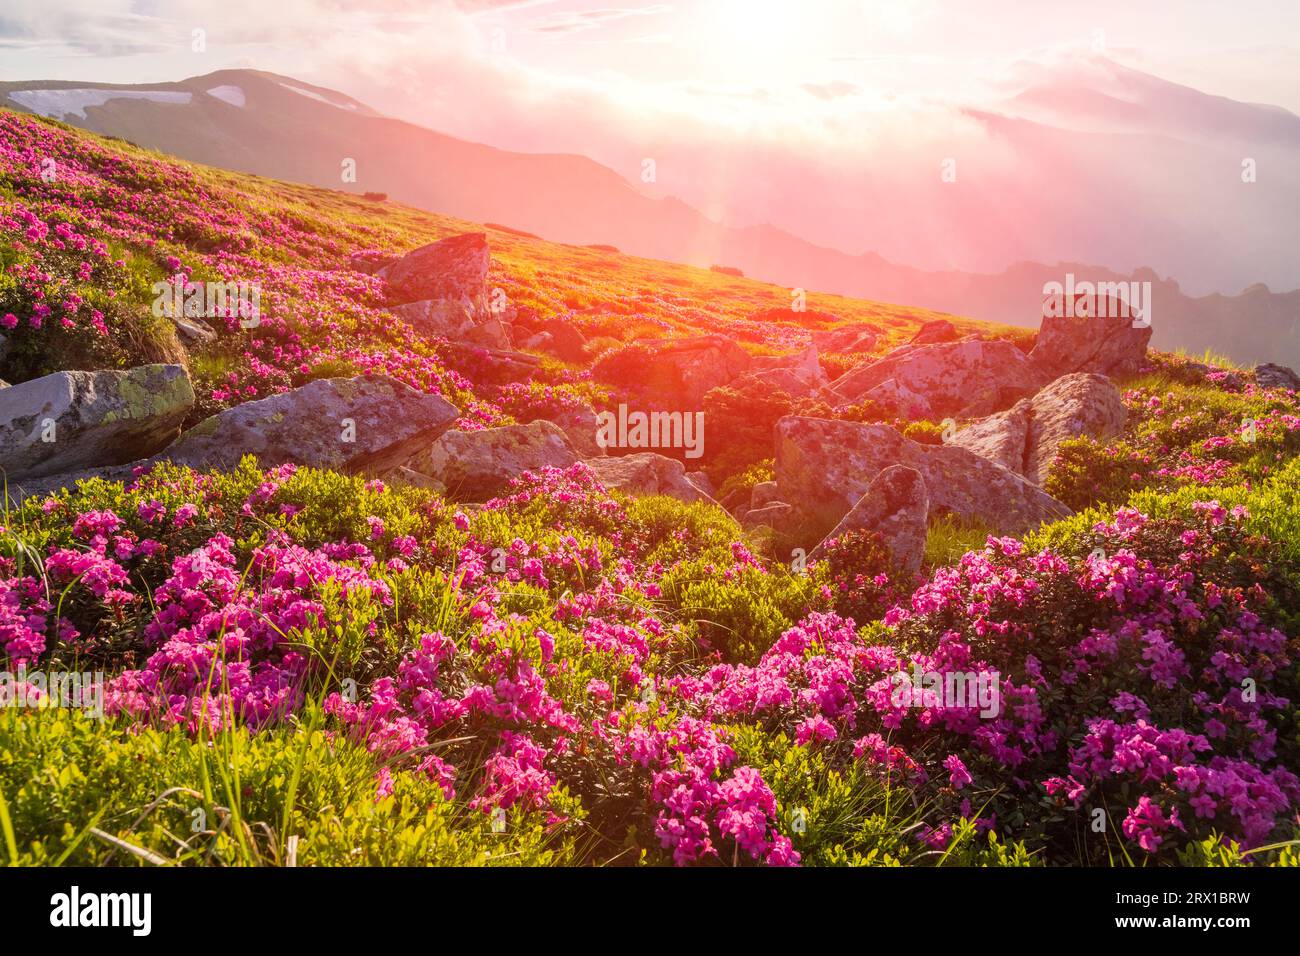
{"x":285,"y":129}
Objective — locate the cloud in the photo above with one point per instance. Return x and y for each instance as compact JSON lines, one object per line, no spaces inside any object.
{"x":490,"y":6}
{"x":573,"y":21}
{"x":832,"y":91}
{"x":105,"y":28}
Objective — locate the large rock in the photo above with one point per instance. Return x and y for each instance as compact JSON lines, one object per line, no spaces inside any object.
{"x":682,"y":368}
{"x":479,"y":465}
{"x":647,"y":473}
{"x":763,"y":494}
{"x":77,"y":420}
{"x":453,"y":269}
{"x":193,"y":333}
{"x":935,"y":332}
{"x":796,"y":375}
{"x":1270,"y":375}
{"x":1107,"y":346}
{"x":566,"y":342}
{"x":858,"y":337}
{"x":1025,"y":438}
{"x":437,"y":318}
{"x":896,"y":399}
{"x":897,"y":506}
{"x":953,"y":377}
{"x":777,"y":515}
{"x":346,"y":424}
{"x":824,"y":467}
{"x":370,"y":261}
{"x":489,"y":366}
{"x":580,"y":425}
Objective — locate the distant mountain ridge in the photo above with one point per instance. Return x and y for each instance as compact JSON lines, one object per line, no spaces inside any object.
{"x":279,"y":127}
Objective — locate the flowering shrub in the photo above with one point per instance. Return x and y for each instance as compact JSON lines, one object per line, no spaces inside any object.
{"x":1182,"y":434}
{"x":626,"y":681}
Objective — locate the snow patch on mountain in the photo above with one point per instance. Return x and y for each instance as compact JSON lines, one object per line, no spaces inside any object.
{"x":233,"y":95}
{"x":56,"y":104}
{"x":316,"y":96}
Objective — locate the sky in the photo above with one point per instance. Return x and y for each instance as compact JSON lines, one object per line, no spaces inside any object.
{"x":731,"y":61}
{"x":735,"y":100}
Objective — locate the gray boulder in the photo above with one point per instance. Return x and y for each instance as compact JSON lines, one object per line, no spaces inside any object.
{"x":823,"y":468}
{"x":1025,"y":438}
{"x":565,"y":342}
{"x":1270,"y":375}
{"x":684,"y":368}
{"x":437,"y":318}
{"x":580,"y":426}
{"x":193,"y":333}
{"x":452,"y":270}
{"x":895,"y":505}
{"x":79,"y":420}
{"x":1108,"y":346}
{"x":796,"y":375}
{"x":858,"y":337}
{"x":948,"y":377}
{"x":935,"y":332}
{"x":647,"y":473}
{"x":763,"y":494}
{"x":346,"y":424}
{"x":479,"y":465}
{"x":776,"y":515}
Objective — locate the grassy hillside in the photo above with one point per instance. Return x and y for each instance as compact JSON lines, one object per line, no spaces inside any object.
{"x":301,"y":667}
{"x":136,"y":217}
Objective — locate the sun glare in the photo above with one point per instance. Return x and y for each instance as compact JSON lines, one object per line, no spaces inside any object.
{"x":758,"y":40}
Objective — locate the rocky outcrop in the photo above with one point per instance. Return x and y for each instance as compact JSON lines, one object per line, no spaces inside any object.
{"x":370,"y":261}
{"x":858,"y":337}
{"x":479,"y":465}
{"x":437,"y":318}
{"x":684,"y":369}
{"x":935,"y":332}
{"x":776,"y":515}
{"x":1025,"y":438}
{"x":441,"y":291}
{"x":702,"y":481}
{"x":416,"y":479}
{"x":193,"y":333}
{"x":566,"y":342}
{"x":580,"y":426}
{"x":81,"y":420}
{"x":1107,"y":346}
{"x":491,"y":366}
{"x":895,"y":505}
{"x":647,"y":473}
{"x":763,"y":494}
{"x":896,"y":399}
{"x":453,"y":269}
{"x":1269,"y":375}
{"x":824,"y":467}
{"x":967,"y":377}
{"x":797,"y":375}
{"x":346,"y":424}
